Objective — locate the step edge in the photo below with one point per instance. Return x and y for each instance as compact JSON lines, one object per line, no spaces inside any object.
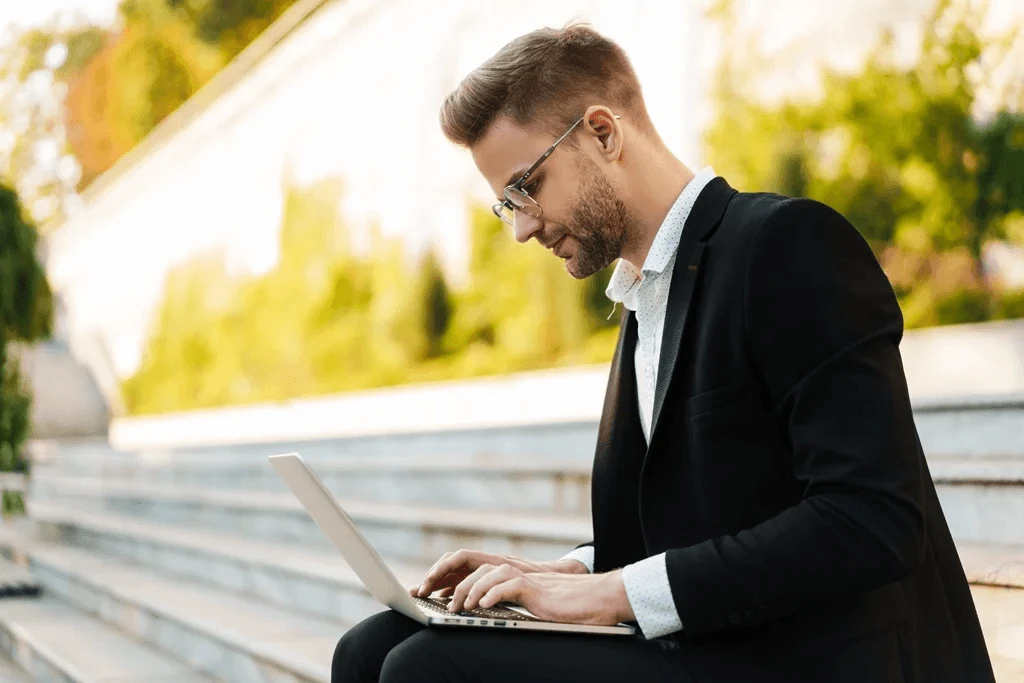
{"x":225,"y":635}
{"x":19,"y":635}
{"x":361,"y":511}
{"x":110,"y":526}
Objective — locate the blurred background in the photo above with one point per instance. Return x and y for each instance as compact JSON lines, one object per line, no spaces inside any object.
{"x":233,"y":227}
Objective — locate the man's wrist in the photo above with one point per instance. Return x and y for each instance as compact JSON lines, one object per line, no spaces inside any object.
{"x":623,"y":609}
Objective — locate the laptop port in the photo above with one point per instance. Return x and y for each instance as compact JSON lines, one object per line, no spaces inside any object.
{"x":469,"y":621}
{"x":499,"y":623}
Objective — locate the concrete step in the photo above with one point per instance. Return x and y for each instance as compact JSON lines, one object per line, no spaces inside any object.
{"x":11,"y":672}
{"x":308,"y":580}
{"x":977,"y":492}
{"x":982,"y":498}
{"x":229,"y":637}
{"x":996,"y":573}
{"x":50,"y":641}
{"x":15,"y":581}
{"x":318,"y":583}
{"x":528,"y":483}
{"x":973,"y":426}
{"x":416,"y":534}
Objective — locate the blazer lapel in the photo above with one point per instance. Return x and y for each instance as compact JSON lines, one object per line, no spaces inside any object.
{"x":704,"y":218}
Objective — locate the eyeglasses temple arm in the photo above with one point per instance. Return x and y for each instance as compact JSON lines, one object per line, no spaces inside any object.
{"x":529,"y":171}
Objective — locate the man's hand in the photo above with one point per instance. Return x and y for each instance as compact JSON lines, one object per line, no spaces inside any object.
{"x":574,"y":599}
{"x":454,"y":567}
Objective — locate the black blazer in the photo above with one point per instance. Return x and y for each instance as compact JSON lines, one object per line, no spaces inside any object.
{"x":785,"y":480}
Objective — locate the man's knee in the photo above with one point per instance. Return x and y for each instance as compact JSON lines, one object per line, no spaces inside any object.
{"x":418,"y":659}
{"x":360,"y":653}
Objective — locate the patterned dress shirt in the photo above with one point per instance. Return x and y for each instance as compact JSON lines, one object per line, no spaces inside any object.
{"x":645,"y":291}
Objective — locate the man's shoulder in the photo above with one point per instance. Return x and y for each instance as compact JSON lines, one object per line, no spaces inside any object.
{"x":753,"y":208}
{"x":748,"y":211}
{"x":742,"y":218}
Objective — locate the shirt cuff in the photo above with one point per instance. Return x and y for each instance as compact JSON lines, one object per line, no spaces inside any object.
{"x":584,"y":555}
{"x":650,"y":596}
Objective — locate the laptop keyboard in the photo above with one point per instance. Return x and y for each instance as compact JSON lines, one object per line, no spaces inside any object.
{"x":440,"y":605}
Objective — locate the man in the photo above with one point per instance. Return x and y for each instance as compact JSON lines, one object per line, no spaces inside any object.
{"x":762,"y":508}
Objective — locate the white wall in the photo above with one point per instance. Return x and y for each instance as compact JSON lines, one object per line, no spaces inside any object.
{"x":354,"y":93}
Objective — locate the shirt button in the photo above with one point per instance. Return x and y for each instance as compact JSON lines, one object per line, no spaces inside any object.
{"x":734,"y":618}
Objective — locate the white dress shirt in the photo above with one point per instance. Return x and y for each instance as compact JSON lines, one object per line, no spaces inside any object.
{"x":645,"y":292}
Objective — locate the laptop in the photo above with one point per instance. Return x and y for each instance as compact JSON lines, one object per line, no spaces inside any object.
{"x":381,"y":582}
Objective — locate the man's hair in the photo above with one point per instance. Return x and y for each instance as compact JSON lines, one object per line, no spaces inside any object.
{"x":545,"y":79}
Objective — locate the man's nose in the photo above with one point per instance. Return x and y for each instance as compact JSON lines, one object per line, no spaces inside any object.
{"x":526,"y":226}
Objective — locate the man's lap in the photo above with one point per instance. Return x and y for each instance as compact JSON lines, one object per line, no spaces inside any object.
{"x":397,"y":649}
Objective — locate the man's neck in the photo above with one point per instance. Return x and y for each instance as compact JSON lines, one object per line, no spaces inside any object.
{"x":658,"y":188}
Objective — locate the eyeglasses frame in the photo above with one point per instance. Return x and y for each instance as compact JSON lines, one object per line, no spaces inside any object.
{"x":518,"y":185}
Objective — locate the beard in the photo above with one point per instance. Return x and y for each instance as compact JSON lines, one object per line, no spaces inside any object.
{"x":599,"y":222}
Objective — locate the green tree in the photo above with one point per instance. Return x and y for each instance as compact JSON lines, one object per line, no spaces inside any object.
{"x":896,"y":149}
{"x":26,"y":313}
{"x":435,"y":304}
{"x":229,"y":24}
{"x":163,"y":53}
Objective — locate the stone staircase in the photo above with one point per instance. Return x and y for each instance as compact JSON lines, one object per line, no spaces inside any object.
{"x":197,"y":564}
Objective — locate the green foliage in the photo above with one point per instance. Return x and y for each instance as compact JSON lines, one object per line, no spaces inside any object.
{"x":15,"y":408}
{"x":229,"y":24}
{"x":436,"y":306}
{"x":82,"y":43}
{"x":1010,"y":304}
{"x":896,"y":150}
{"x":15,"y":405}
{"x":164,"y":52}
{"x":35,"y":68}
{"x":26,"y":306}
{"x":120,"y":84}
{"x":26,"y":312}
{"x":327,"y":319}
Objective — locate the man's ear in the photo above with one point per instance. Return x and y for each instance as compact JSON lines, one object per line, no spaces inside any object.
{"x":605,"y":130}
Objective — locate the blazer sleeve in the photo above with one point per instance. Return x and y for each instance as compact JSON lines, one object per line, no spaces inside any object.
{"x":822,"y":330}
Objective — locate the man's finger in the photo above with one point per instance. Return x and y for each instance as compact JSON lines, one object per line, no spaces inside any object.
{"x":513,"y":590}
{"x":442,"y":583}
{"x":459,"y":596}
{"x":441,"y":562}
{"x":491,"y":579}
{"x":441,"y":569}
{"x":454,"y":563}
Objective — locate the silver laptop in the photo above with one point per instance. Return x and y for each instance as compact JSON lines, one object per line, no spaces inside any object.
{"x":382,"y":584}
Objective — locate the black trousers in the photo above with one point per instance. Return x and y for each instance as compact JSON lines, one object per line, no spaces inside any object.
{"x":391,"y":648}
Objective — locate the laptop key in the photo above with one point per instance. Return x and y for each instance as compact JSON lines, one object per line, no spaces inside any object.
{"x":496,"y":612}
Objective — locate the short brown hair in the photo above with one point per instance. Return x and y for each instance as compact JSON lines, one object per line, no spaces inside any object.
{"x":546,"y":78}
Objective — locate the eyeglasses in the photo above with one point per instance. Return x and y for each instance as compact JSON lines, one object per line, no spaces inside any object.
{"x":518,"y":199}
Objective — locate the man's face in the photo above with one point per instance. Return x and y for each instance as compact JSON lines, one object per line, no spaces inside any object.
{"x":584,"y":221}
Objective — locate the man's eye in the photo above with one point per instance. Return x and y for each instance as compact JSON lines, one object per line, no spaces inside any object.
{"x":531,"y":189}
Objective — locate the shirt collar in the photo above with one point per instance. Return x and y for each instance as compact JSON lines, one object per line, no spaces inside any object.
{"x":626,"y":278}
